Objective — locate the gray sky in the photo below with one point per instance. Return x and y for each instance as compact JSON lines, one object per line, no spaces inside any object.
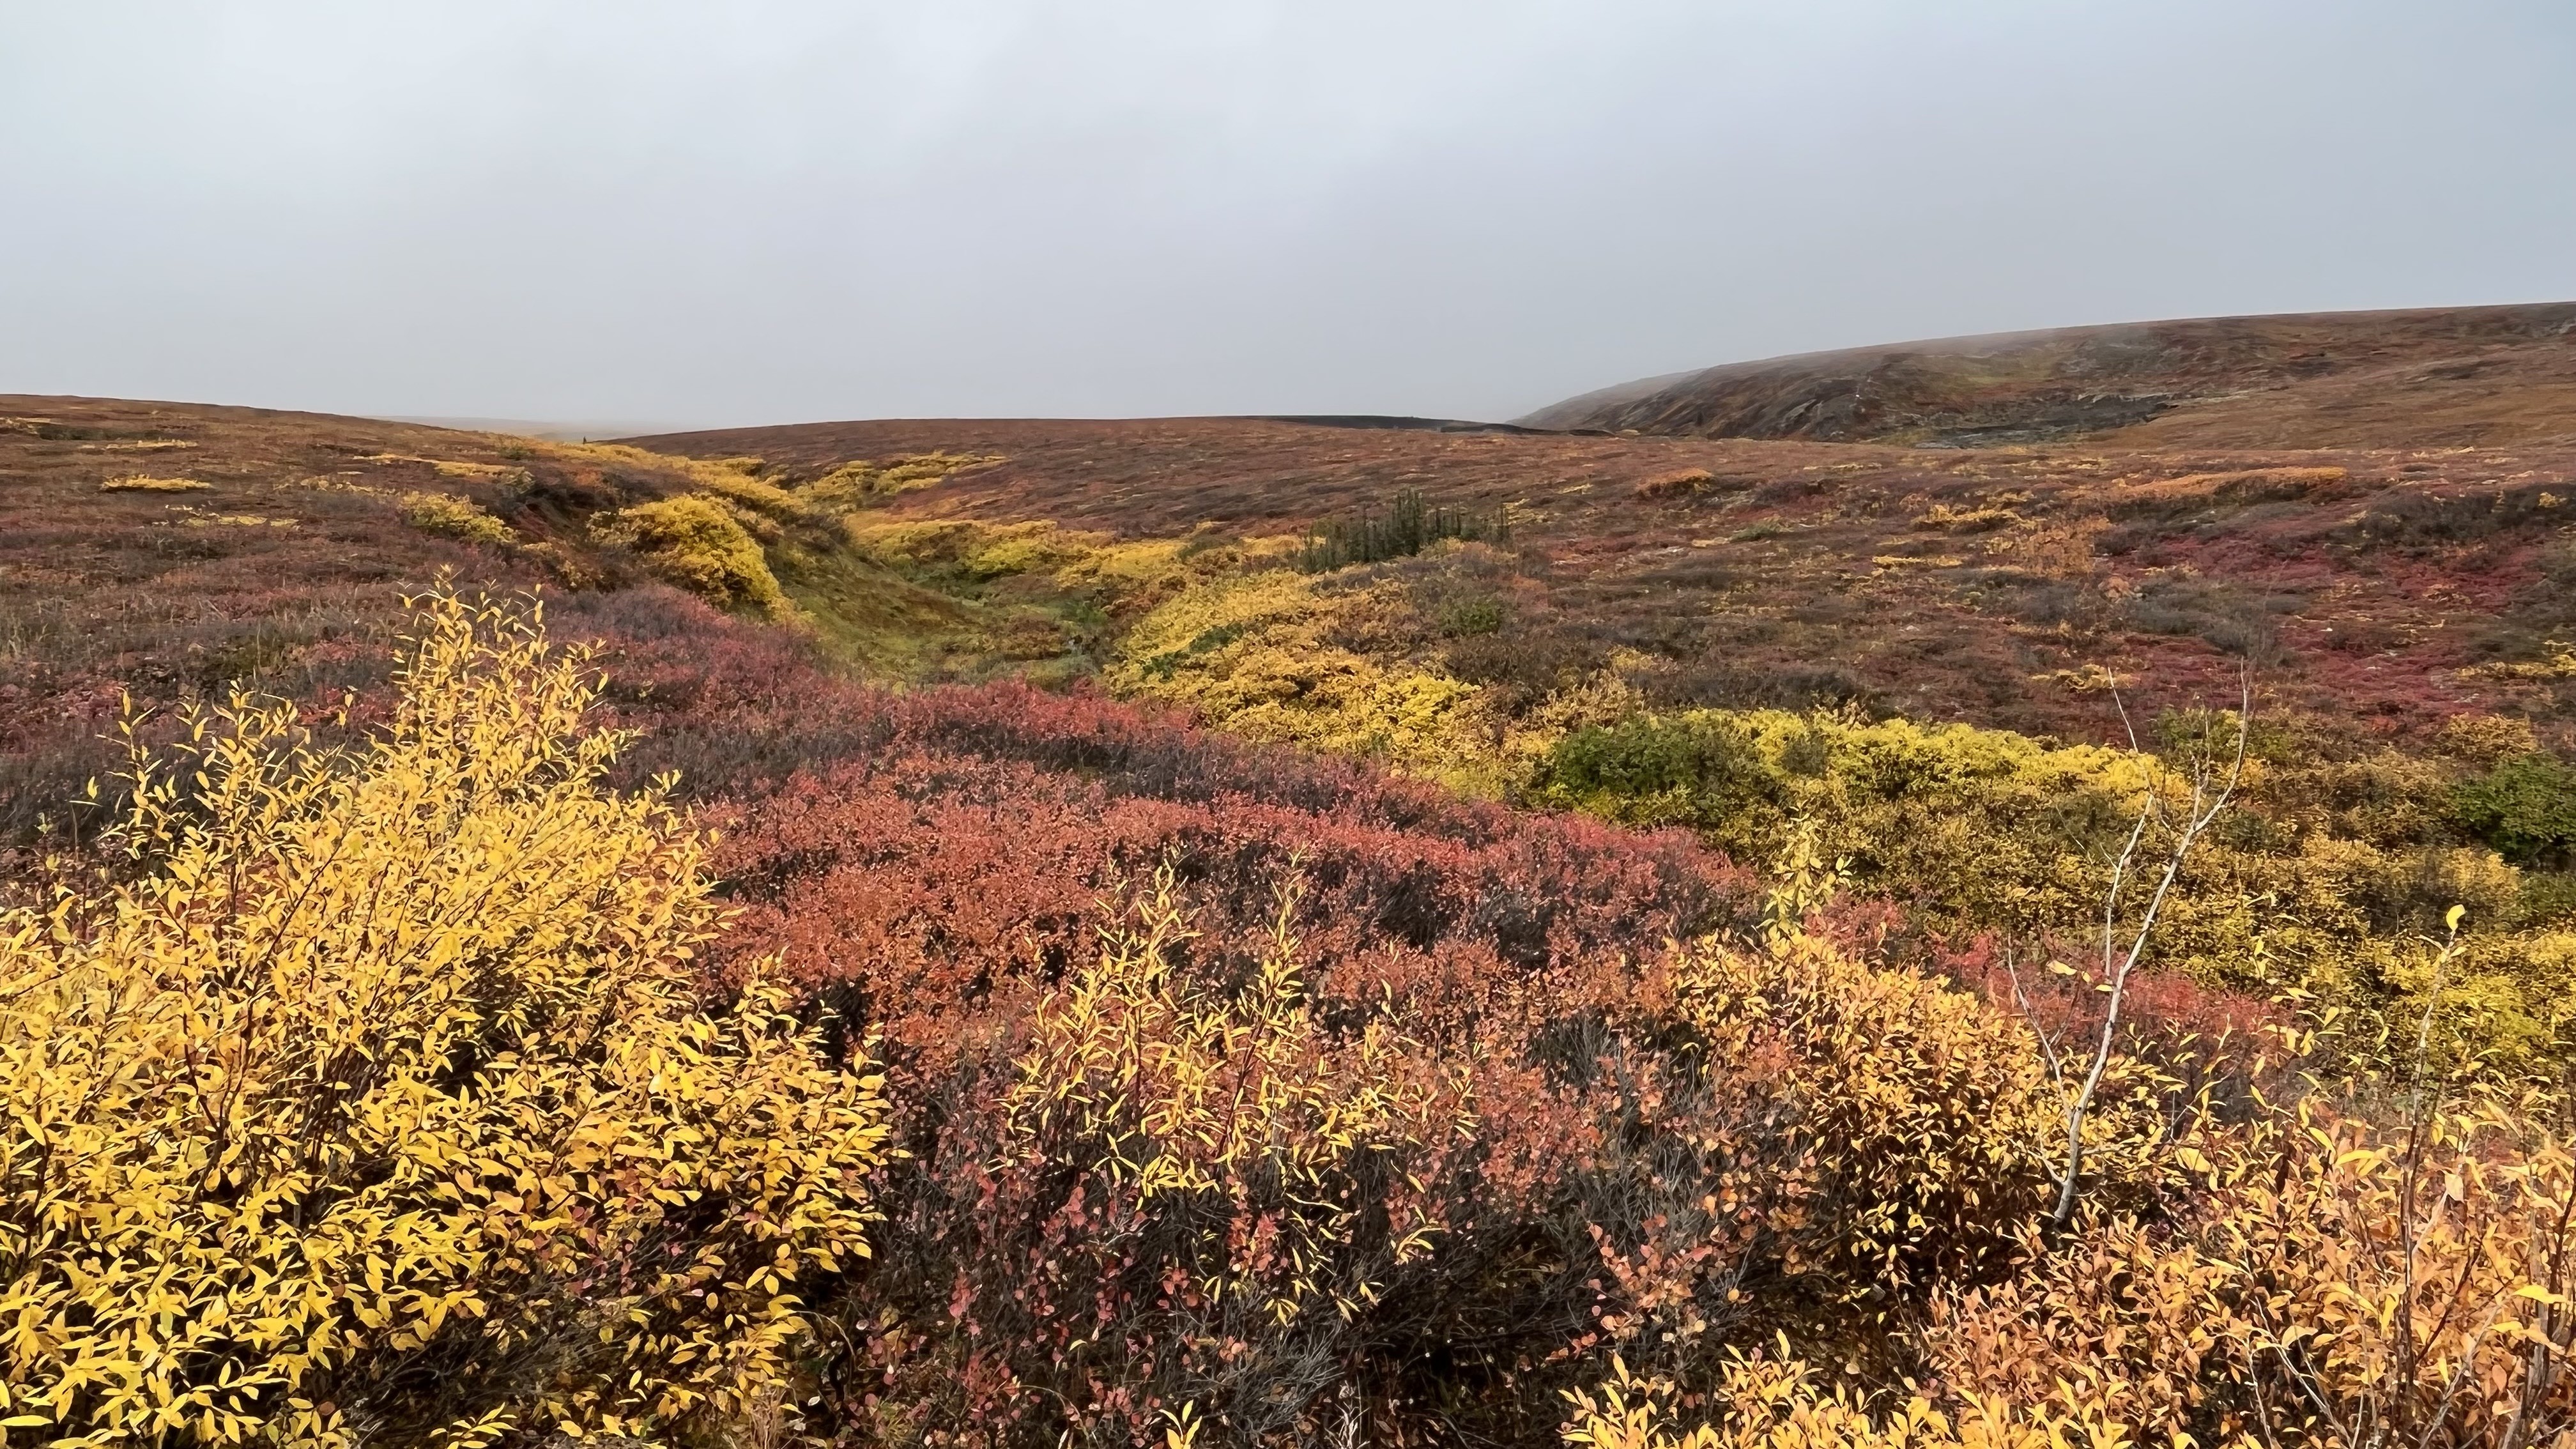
{"x":767,"y":212}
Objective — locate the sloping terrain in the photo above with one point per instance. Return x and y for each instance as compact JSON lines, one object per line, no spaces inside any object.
{"x":2390,"y":590}
{"x":929,"y":865}
{"x":1477,"y":1102}
{"x":1916,"y":649}
{"x":1629,"y":615}
{"x":160,"y":552}
{"x":1997,"y":586}
{"x":2441,"y":377}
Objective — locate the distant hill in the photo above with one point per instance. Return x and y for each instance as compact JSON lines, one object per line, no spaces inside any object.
{"x":559,"y":430}
{"x":2437,"y":377}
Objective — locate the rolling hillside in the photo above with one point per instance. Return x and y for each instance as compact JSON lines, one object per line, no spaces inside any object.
{"x":1994,"y":586}
{"x":2386,"y":590}
{"x":1556,"y":903}
{"x":2442,"y":377}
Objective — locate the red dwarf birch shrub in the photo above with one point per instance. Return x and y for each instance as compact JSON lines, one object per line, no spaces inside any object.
{"x":1570,"y":1150}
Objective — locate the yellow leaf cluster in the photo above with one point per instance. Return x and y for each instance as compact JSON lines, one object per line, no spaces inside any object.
{"x":2338,"y":1282}
{"x":1182,"y":1091}
{"x":449,"y":516}
{"x":1258,"y":655}
{"x":1922,"y":1116}
{"x":371,"y":1100}
{"x":721,"y":478}
{"x":695,"y":542}
{"x":863,"y":484}
{"x":1779,"y":1402}
{"x":2560,"y":664}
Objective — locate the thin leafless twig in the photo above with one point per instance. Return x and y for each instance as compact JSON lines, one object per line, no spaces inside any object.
{"x":2208,"y":798}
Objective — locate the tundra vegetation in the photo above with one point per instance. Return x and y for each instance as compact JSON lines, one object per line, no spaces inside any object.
{"x":853,"y":968}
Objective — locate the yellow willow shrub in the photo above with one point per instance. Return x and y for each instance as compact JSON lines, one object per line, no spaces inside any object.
{"x":723,"y":478}
{"x":1842,"y":1141}
{"x":376,"y":1106}
{"x":1767,"y":1403}
{"x":694,"y":542}
{"x":862,"y":484}
{"x":1256,"y":655}
{"x":1875,"y":1131}
{"x":2336,"y":1283}
{"x":449,"y":516}
{"x":1088,"y":580}
{"x":1181,"y":1090}
{"x":2325,"y":876}
{"x":976,"y":552}
{"x":1992,"y":827}
{"x":1193,"y":1190}
{"x":766,"y":499}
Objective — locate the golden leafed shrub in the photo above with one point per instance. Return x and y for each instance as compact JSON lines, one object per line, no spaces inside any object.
{"x":863,"y":484}
{"x":2309,"y":1277}
{"x":1925,"y":803}
{"x":453,"y":468}
{"x":2335,"y":1281}
{"x":1928,"y":1112}
{"x":139,"y":483}
{"x":2560,"y":663}
{"x":2251,"y":485}
{"x":449,"y":516}
{"x":851,"y":485}
{"x":1259,"y":655}
{"x":920,"y":470}
{"x":1764,"y":1402}
{"x":1858,"y":1136}
{"x":1182,"y":1094}
{"x":2488,"y":739}
{"x":762,"y":498}
{"x":2329,"y":875}
{"x":1190,"y":1189}
{"x":692,"y":541}
{"x":973,"y":552}
{"x":1944,"y":518}
{"x":1679,"y":483}
{"x":372,"y":1104}
{"x":731,"y":479}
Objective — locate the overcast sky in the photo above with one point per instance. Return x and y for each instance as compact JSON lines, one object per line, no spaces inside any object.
{"x":738,"y":212}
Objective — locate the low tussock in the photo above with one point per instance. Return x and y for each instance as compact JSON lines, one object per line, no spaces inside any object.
{"x":2242,"y":486}
{"x":1676,"y":483}
{"x":139,"y":483}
